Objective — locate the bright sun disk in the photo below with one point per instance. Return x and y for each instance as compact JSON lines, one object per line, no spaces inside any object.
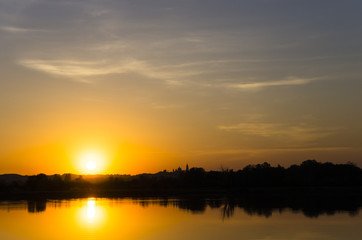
{"x":91,"y":165}
{"x":91,"y":162}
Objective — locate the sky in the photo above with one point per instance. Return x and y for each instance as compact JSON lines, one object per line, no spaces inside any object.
{"x":153,"y":85}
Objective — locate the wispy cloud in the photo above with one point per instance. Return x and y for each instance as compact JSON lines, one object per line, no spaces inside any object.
{"x":171,"y":74}
{"x":216,"y":62}
{"x":78,"y":70}
{"x":263,"y":150}
{"x":19,"y":30}
{"x":290,"y":81}
{"x":73,"y":68}
{"x":299,"y":132}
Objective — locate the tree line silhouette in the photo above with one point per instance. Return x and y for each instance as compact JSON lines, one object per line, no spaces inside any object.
{"x":309,"y":174}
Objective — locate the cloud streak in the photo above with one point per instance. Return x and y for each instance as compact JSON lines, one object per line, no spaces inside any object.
{"x":11,"y":29}
{"x":291,"y":81}
{"x":78,"y":70}
{"x":263,"y":150}
{"x":299,"y":132}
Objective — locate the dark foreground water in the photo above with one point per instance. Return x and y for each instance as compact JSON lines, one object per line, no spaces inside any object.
{"x":103,"y":218}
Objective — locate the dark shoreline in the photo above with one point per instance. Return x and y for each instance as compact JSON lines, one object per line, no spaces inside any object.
{"x":310,"y":179}
{"x":270,"y":192}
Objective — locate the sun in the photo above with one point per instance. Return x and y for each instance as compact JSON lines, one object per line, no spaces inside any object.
{"x":91,"y":162}
{"x":91,"y":165}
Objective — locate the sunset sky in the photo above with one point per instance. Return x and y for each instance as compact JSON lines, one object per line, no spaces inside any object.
{"x":152,"y":85}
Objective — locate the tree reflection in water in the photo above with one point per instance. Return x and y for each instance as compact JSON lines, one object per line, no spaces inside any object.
{"x":310,"y":206}
{"x":35,"y":206}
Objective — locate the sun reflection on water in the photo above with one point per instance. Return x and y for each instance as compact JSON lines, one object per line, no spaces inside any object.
{"x":91,"y":215}
{"x":91,"y":210}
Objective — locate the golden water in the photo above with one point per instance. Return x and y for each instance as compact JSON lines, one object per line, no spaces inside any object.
{"x":152,"y":219}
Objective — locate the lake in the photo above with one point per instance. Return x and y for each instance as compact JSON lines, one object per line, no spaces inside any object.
{"x":156,"y":219}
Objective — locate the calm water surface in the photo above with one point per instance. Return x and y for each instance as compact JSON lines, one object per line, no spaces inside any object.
{"x":168,"y":219}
